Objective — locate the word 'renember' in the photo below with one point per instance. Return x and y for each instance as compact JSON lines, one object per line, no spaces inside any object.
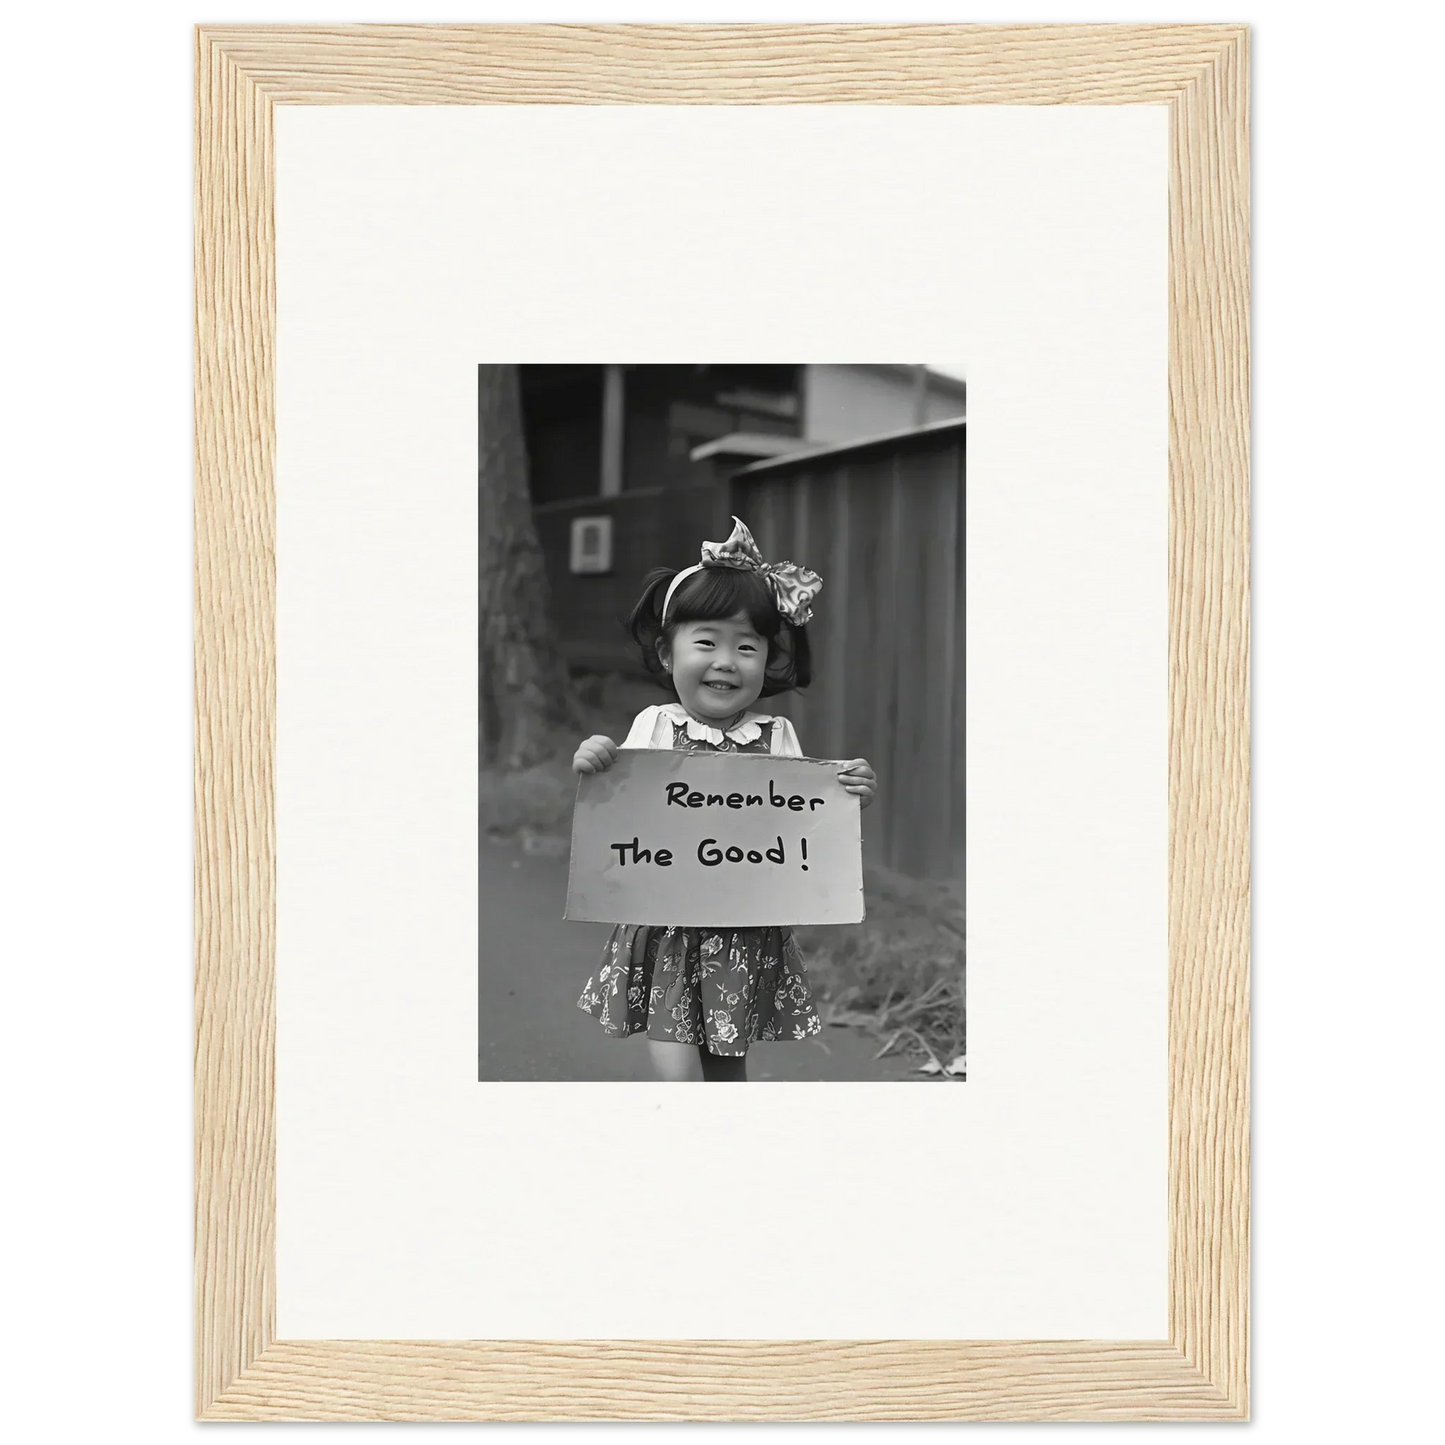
{"x":681,"y":796}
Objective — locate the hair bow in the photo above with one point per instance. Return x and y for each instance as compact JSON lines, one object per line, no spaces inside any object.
{"x":793,"y":587}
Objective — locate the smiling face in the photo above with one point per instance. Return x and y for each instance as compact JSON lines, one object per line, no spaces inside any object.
{"x":717,"y":666}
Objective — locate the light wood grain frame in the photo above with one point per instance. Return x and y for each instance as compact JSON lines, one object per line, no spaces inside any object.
{"x":243,"y":1372}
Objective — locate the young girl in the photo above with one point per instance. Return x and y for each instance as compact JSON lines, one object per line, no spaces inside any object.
{"x":717,"y":636}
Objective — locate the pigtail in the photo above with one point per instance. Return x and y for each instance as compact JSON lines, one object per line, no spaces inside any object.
{"x":645,"y":624}
{"x":790,"y":667}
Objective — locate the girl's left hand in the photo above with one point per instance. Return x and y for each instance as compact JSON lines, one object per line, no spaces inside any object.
{"x":858,"y":778}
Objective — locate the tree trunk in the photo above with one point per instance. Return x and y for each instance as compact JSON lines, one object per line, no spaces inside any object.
{"x":526,"y":696}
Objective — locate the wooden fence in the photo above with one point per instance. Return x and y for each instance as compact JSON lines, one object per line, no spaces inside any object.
{"x":883,"y":523}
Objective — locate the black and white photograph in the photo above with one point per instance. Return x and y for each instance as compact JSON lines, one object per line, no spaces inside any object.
{"x":721,"y":722}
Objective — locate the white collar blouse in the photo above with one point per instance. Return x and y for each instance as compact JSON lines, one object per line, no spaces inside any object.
{"x":648,"y":730}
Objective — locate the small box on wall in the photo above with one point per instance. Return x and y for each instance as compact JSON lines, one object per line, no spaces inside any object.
{"x":591,"y":545}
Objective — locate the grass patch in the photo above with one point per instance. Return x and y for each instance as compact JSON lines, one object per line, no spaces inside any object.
{"x":538,"y":800}
{"x":900,"y":974}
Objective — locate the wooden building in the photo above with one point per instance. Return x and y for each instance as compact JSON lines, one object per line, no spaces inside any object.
{"x":629,"y":465}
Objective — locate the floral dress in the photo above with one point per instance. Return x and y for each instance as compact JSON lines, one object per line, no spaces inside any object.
{"x":721,"y":987}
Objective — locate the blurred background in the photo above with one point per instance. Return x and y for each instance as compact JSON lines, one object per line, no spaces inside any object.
{"x":589,"y":476}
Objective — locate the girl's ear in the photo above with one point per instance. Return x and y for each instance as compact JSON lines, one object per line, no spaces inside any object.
{"x":664,"y":654}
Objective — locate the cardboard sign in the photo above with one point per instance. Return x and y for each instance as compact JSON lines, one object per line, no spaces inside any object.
{"x":715,"y":840}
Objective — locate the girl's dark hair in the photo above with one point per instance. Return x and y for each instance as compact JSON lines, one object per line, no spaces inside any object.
{"x":707,"y":596}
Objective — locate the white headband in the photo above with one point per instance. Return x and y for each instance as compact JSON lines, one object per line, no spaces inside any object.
{"x":672,"y":587}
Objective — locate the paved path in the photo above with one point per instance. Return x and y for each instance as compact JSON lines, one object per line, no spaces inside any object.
{"x":533,"y":966}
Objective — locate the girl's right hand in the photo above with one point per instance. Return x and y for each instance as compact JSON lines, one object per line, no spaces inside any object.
{"x":595,"y":755}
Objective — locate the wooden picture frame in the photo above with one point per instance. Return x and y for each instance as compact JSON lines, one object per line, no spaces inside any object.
{"x":1200,"y":1371}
